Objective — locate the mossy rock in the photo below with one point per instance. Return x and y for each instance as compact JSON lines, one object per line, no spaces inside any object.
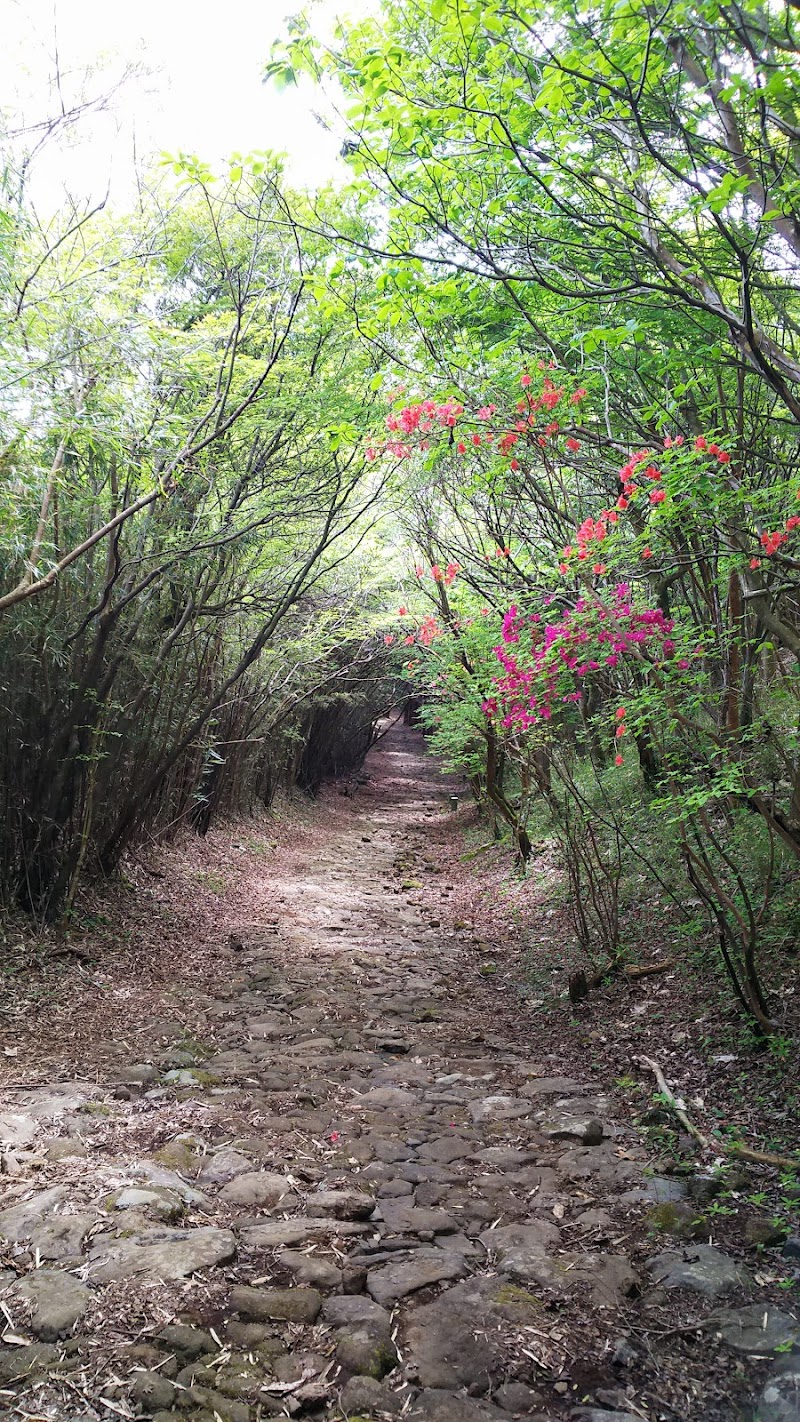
{"x":177,"y":1155}
{"x":513,"y":1301}
{"x":676,"y":1219}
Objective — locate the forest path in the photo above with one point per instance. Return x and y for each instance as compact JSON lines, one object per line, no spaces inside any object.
{"x":367,"y":1202}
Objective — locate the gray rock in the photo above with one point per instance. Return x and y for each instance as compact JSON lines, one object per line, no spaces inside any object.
{"x":293,"y":1366}
{"x":756,"y":1329}
{"x":256,"y":1188}
{"x":387,"y":1098}
{"x":516,"y":1246}
{"x":64,"y":1148}
{"x":427,"y":1266}
{"x":759,"y":1231}
{"x":552,"y":1086}
{"x":586,"y":1129}
{"x":161,"y":1175}
{"x":58,"y":1301}
{"x":161,"y":1254}
{"x":780,"y":1400}
{"x":160,"y":1202}
{"x":182,"y":1076}
{"x":362,"y":1396}
{"x":499,"y":1108}
{"x":307,"y":1269}
{"x":518,"y":1397}
{"x":791,"y":1248}
{"x":400,"y":1217}
{"x":389,"y":1151}
{"x":224,"y":1165}
{"x":522,"y":1252}
{"x":140,"y":1074}
{"x":435,"y":1405}
{"x":49,"y":1103}
{"x":191,"y":1342}
{"x":505,"y":1157}
{"x":279,"y":1233}
{"x":217,"y":1406}
{"x":446,"y":1148}
{"x":600,"y":1164}
{"x":449,"y":1343}
{"x":340,"y":1204}
{"x":594,"y":1219}
{"x":599,"y":1414}
{"x":354,"y":1309}
{"x":300,"y":1305}
{"x":152,"y":1390}
{"x":659,"y":1190}
{"x":459,"y":1244}
{"x":27,"y":1361}
{"x":55,"y":1235}
{"x":699,"y":1267}
{"x":366,"y":1349}
{"x":17,"y":1129}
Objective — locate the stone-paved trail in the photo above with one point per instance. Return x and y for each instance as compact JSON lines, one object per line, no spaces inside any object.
{"x":380,"y":1209}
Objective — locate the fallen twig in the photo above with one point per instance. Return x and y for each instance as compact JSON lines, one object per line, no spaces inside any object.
{"x":742,"y":1152}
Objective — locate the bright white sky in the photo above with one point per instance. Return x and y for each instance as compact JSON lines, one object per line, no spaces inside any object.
{"x":202,"y":92}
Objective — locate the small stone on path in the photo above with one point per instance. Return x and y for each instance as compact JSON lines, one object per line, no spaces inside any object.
{"x":700,"y":1267}
{"x":756,"y":1329}
{"x":300,"y":1305}
{"x":166,"y":1254}
{"x":58,"y":1300}
{"x":392,"y":1282}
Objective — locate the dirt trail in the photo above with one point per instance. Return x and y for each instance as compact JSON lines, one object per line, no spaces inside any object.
{"x":364,"y":1204}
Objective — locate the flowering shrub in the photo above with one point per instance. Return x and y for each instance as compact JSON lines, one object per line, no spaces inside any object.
{"x":631,"y":599}
{"x":551,"y":659}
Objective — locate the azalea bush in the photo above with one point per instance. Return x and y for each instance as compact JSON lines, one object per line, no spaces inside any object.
{"x":657,"y":631}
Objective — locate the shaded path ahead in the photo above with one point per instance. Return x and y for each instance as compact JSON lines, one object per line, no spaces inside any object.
{"x":364,"y":1205}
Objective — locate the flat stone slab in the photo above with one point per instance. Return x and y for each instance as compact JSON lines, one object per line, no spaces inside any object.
{"x":457,"y":1341}
{"x":17,"y":1129}
{"x":392,"y":1282}
{"x":340,"y":1204}
{"x":499,"y":1108}
{"x":756,"y":1329}
{"x":445,"y":1149}
{"x":155,"y":1174}
{"x":586,"y":1129}
{"x":505,"y":1157}
{"x":161,"y":1254}
{"x":222,"y":1166}
{"x":402,"y":1218}
{"x":553,"y":1086}
{"x":58,"y":1300}
{"x":699,"y":1267}
{"x":40,"y":1221}
{"x":298,"y":1305}
{"x":47,"y":1103}
{"x":275,"y":1234}
{"x":308,"y":1269}
{"x":387,"y":1098}
{"x":344,"y":1310}
{"x":516,"y":1245}
{"x":437,"y":1405}
{"x":257,"y":1188}
{"x":523,"y":1255}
